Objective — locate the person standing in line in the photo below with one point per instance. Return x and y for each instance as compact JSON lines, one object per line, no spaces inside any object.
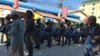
{"x":68,"y":31}
{"x":8,"y":27}
{"x":17,"y":35}
{"x":29,"y":32}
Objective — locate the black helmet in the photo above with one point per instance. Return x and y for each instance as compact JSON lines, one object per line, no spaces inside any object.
{"x":29,"y":13}
{"x":39,"y":20}
{"x":91,"y":19}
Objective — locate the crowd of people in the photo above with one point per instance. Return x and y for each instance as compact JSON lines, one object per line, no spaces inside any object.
{"x":32,"y":32}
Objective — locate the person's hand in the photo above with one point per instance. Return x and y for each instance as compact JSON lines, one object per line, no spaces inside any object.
{"x":93,"y":41}
{"x":97,"y":37}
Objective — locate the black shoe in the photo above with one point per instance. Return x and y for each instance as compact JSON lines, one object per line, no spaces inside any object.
{"x":65,"y":43}
{"x":58,"y":44}
{"x":95,"y":53}
{"x":48,"y":46}
{"x":62,"y":45}
{"x":68,"y":43}
{"x":38,"y":48}
{"x":35,"y":47}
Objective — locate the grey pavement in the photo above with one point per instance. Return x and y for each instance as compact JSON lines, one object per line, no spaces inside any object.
{"x":72,"y":50}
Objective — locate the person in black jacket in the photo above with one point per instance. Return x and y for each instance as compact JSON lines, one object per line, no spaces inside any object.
{"x":93,"y":30}
{"x":68,"y":31}
{"x":30,"y":25}
{"x":62,"y":33}
{"x":2,"y":29}
{"x":49,"y":29}
{"x":39,"y":33}
{"x":8,"y":27}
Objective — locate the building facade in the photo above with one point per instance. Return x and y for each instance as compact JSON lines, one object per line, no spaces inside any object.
{"x":79,"y":13}
{"x":91,"y":7}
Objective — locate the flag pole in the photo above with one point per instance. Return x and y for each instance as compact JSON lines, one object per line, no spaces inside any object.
{"x":60,"y":8}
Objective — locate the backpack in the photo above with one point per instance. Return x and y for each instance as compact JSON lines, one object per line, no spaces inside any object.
{"x":3,"y":28}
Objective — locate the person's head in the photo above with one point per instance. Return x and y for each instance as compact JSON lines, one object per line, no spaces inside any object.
{"x":8,"y":17}
{"x":29,"y":14}
{"x":14,"y":15}
{"x":34,"y":20}
{"x":91,"y":20}
{"x":38,"y":20}
{"x":2,"y":20}
{"x":62,"y":24}
{"x":81,"y":24}
{"x":67,"y":22}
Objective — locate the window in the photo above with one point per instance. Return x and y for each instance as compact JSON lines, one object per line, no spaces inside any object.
{"x":93,"y":8}
{"x":83,"y":5}
{"x":92,"y":13}
{"x":82,"y":9}
{"x":93,"y":4}
{"x":98,"y":17}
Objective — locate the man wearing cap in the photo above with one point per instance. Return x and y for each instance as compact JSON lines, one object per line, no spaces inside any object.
{"x":17,"y":35}
{"x":93,"y":30}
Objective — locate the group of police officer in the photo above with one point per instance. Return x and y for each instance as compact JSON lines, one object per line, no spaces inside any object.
{"x":36,"y":31}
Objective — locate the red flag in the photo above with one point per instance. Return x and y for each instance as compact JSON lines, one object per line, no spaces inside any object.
{"x":64,"y":12}
{"x":85,"y":20}
{"x":15,"y":4}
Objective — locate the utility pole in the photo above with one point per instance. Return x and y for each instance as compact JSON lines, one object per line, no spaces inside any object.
{"x":60,"y":8}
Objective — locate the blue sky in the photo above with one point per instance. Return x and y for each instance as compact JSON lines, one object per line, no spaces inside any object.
{"x":74,"y":4}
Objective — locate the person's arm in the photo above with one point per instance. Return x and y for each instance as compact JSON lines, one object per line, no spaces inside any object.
{"x":14,"y":29}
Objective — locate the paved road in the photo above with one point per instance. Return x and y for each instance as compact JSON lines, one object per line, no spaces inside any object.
{"x":73,"y":50}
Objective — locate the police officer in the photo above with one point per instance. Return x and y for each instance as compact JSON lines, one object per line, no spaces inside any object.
{"x":63,"y":33}
{"x":49,"y":29}
{"x":39,"y":33}
{"x":68,"y":31}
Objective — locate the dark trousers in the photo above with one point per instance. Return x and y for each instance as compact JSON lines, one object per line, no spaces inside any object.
{"x":8,"y":41}
{"x":76,"y":39}
{"x":29,"y":44}
{"x":2,"y":37}
{"x":68,"y":40}
{"x":61,"y":41}
{"x":37,"y":42}
{"x":49,"y":41}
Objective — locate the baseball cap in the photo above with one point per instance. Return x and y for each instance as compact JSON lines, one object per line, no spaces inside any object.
{"x":91,"y":19}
